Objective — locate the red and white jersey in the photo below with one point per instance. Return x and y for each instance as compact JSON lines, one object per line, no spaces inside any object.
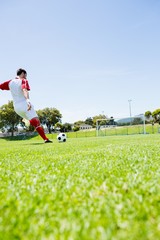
{"x":15,"y":86}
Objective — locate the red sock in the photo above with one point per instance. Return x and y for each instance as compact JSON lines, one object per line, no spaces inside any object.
{"x":36,"y":123}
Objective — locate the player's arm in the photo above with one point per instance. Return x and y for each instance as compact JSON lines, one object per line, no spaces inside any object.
{"x":5,"y":85}
{"x":26,"y":95}
{"x":25,"y":89}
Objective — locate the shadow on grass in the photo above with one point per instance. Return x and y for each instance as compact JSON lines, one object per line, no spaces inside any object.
{"x":21,"y":137}
{"x":42,"y":143}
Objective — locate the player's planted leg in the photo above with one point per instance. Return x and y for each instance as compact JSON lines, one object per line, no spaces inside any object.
{"x":36,"y":123}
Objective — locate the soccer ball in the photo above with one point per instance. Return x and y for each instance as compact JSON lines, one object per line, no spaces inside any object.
{"x":61,"y":137}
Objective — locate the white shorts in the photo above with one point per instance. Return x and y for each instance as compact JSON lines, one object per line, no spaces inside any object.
{"x":21,"y":110}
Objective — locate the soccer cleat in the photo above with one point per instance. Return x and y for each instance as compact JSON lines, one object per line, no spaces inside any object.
{"x":47,"y":141}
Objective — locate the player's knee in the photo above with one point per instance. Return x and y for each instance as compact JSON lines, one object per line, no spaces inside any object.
{"x":35,"y":122}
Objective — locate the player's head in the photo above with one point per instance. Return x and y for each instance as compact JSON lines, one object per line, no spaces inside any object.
{"x":21,"y":73}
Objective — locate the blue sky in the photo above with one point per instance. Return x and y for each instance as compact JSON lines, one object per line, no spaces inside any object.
{"x":84,"y":57}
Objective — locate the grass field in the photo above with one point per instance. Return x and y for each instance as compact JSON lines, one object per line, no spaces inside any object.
{"x":87,"y":188}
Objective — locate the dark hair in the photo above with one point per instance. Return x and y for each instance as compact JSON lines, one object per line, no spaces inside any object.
{"x":20,"y":71}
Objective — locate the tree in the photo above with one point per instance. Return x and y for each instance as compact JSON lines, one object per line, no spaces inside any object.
{"x":137,"y":121}
{"x":100,"y":116}
{"x":49,"y":116}
{"x":78,"y":123}
{"x":66,"y":127}
{"x":89,"y":121}
{"x":76,"y":128}
{"x":156,"y":115}
{"x":58,"y":125}
{"x":148,"y":116}
{"x":111,"y":121}
{"x":8,"y":117}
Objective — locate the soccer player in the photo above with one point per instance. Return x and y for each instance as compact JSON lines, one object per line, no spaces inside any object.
{"x":19,"y":88}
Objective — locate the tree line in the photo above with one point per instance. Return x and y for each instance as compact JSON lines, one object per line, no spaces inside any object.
{"x":52,"y":118}
{"x":9,"y":119}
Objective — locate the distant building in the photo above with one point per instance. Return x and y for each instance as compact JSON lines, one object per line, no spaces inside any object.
{"x":85,"y":126}
{"x":135,"y":119}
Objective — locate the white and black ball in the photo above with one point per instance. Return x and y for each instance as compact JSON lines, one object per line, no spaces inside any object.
{"x":61,"y":137}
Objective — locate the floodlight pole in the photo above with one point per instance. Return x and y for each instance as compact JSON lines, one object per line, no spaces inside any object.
{"x":130,"y":100}
{"x":144,"y":124}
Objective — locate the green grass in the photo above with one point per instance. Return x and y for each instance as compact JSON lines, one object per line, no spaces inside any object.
{"x":86,"y":188}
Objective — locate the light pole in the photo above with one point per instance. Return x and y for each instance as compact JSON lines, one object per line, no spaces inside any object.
{"x":130,"y":112}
